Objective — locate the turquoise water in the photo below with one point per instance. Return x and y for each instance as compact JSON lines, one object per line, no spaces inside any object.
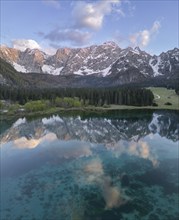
{"x":101,"y":168}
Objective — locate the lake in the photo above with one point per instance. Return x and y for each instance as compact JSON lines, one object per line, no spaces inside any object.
{"x":111,"y":166}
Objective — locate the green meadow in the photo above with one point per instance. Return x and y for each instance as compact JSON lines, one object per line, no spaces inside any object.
{"x":163,"y":96}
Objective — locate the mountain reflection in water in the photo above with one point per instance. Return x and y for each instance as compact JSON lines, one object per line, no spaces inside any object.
{"x":96,"y":168}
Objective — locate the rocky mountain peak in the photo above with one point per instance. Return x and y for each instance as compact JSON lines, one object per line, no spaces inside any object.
{"x":137,"y":49}
{"x":62,"y":52}
{"x":35,"y":54}
{"x":100,"y":60}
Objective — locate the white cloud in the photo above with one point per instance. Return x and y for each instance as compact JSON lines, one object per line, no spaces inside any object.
{"x":74,"y":36}
{"x":155,"y":27}
{"x":91,"y":15}
{"x":23,"y":44}
{"x":52,"y":3}
{"x":143,"y":38}
{"x":85,"y":15}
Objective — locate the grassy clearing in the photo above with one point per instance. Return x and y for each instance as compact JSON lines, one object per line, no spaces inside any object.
{"x":163,"y":95}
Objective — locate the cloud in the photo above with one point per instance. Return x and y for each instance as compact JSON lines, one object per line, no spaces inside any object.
{"x":91,"y":15}
{"x":85,"y":16}
{"x":55,"y":46}
{"x":52,"y":3}
{"x":155,"y":27}
{"x":74,"y":36}
{"x":23,"y":44}
{"x":143,"y":38}
{"x":130,"y":8}
{"x":121,"y":40}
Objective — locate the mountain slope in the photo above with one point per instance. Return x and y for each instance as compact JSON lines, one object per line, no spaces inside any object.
{"x":8,"y":75}
{"x":130,"y":77}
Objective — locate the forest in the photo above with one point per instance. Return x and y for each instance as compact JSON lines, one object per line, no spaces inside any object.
{"x":86,"y":96}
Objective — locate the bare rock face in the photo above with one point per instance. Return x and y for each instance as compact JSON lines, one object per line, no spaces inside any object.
{"x":99,"y":60}
{"x":130,"y":58}
{"x":32,"y":60}
{"x":9,"y":54}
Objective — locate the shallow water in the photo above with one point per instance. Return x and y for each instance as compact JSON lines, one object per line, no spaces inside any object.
{"x":101,"y":168}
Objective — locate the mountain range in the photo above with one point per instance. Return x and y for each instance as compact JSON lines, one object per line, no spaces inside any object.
{"x":97,"y":61}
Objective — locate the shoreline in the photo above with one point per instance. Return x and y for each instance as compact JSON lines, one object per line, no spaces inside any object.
{"x":97,"y":110}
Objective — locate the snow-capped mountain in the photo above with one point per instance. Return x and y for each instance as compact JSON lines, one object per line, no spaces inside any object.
{"x":101,"y":60}
{"x":166,"y":63}
{"x":82,"y":61}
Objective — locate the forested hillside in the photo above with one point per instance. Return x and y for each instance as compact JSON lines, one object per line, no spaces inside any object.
{"x":10,"y":76}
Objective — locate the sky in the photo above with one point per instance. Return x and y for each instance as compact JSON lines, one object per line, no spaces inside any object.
{"x":152,"y":25}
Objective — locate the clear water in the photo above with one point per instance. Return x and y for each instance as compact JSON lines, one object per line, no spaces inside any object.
{"x":118,"y":166}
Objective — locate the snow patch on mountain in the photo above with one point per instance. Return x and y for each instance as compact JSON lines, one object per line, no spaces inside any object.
{"x":79,"y":72}
{"x":51,"y":69}
{"x":19,"y":68}
{"x":135,"y":52}
{"x":85,"y":71}
{"x":106,"y":71}
{"x":155,"y":67}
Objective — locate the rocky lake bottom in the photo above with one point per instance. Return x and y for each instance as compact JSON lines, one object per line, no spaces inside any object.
{"x":96,"y":168}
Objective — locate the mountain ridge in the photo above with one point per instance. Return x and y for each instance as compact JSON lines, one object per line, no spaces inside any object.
{"x":107,"y":59}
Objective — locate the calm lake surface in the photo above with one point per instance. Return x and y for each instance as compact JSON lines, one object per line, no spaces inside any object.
{"x":121,"y":165}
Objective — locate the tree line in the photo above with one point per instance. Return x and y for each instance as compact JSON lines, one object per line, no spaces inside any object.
{"x":87,"y":96}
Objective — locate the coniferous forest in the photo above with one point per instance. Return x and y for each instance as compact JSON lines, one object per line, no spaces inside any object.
{"x":95,"y":97}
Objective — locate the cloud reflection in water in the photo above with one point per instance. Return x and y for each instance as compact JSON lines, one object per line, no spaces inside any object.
{"x":139,"y":149}
{"x":114,"y":196}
